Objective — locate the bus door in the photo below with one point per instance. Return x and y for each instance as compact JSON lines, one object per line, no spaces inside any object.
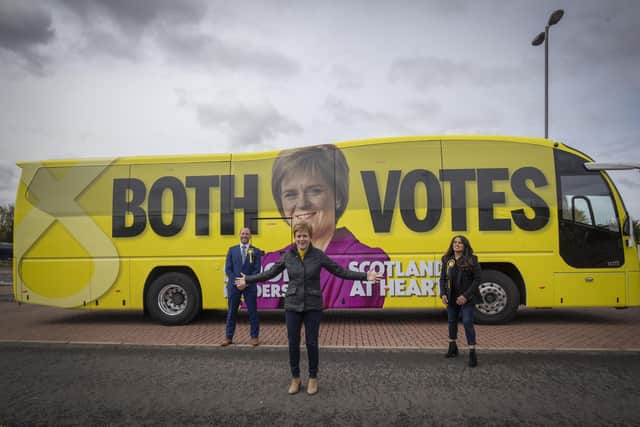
{"x":590,"y":240}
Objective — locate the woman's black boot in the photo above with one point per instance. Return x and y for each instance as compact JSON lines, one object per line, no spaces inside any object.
{"x":453,"y":350}
{"x":473,"y":359}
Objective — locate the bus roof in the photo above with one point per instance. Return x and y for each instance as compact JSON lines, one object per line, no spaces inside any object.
{"x":223,"y":157}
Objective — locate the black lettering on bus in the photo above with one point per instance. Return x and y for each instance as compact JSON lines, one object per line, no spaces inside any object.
{"x":408,"y":202}
{"x":202,"y":184}
{"x":122,"y":187}
{"x":487,"y":198}
{"x":458,"y":179}
{"x":229,"y":203}
{"x":179,"y":210}
{"x":381,"y":216}
{"x":531,"y":199}
{"x":129,"y":196}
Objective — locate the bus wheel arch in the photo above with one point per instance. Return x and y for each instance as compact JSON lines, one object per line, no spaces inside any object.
{"x":172,"y":295}
{"x":502,"y":289}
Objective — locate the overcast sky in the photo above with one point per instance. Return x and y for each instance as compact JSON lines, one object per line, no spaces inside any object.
{"x":110,"y":78}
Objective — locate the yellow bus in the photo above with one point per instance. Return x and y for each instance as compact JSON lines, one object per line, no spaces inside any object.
{"x":152,"y":233}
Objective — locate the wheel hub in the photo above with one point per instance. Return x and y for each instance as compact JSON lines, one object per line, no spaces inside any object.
{"x":172,"y":299}
{"x":494,"y":298}
{"x":490,"y":298}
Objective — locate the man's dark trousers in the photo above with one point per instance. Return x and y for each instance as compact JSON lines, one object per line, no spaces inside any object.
{"x":236,"y":265}
{"x":250,"y":298}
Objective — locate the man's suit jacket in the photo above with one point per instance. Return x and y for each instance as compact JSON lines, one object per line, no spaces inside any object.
{"x":234,"y":265}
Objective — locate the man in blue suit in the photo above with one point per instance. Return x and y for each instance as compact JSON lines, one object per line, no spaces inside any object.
{"x":242,"y":258}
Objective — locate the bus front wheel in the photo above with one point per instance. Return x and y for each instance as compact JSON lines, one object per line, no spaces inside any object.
{"x":500,"y":298}
{"x":173,"y":299}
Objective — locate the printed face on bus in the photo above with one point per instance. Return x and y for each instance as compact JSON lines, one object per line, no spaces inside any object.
{"x":310,"y":199}
{"x":302,"y":239}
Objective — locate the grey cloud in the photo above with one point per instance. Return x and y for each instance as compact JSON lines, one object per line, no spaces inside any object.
{"x":626,"y":182}
{"x":621,"y":147}
{"x":606,"y":36}
{"x":24,"y":28}
{"x":425,"y":108}
{"x":112,"y":45}
{"x":346,"y":79}
{"x":630,"y":183}
{"x":626,"y":146}
{"x":135,"y":16}
{"x":203,"y":49}
{"x":487,"y":121}
{"x":246,"y":126}
{"x":183,"y":97}
{"x":431,"y":72}
{"x":31,"y":61}
{"x":373,"y":122}
{"x":117,"y":27}
{"x":348,"y":114}
{"x":172,"y":26}
{"x":24,"y":25}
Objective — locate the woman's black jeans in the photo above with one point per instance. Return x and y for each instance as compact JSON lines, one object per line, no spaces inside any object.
{"x":453,"y":313}
{"x":311,"y":320}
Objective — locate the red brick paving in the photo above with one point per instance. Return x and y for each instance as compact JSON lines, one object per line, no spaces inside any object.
{"x":584,"y":329}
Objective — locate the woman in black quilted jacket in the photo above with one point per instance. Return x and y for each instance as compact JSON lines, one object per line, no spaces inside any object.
{"x":303,"y":300}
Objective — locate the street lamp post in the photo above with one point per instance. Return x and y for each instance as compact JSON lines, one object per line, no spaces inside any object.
{"x":544,"y":38}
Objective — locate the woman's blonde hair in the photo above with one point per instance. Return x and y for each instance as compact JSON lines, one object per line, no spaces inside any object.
{"x":303,"y":226}
{"x":326,"y":161}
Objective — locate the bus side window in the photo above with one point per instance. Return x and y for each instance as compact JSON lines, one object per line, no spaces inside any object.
{"x":581,"y":210}
{"x":590,"y":234}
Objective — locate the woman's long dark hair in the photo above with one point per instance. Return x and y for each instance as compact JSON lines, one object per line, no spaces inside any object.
{"x":466,"y":259}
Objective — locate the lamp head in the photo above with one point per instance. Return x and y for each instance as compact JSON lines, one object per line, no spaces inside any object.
{"x":556,"y":17}
{"x":539,"y":39}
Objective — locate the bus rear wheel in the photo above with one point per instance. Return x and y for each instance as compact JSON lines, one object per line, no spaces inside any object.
{"x":500,"y":298}
{"x":173,"y":299}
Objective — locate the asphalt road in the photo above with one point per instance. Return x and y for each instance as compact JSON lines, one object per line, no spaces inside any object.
{"x":134,"y":385}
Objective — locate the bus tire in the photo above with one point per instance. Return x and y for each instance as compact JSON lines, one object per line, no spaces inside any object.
{"x":173,"y":299}
{"x":500,"y":298}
